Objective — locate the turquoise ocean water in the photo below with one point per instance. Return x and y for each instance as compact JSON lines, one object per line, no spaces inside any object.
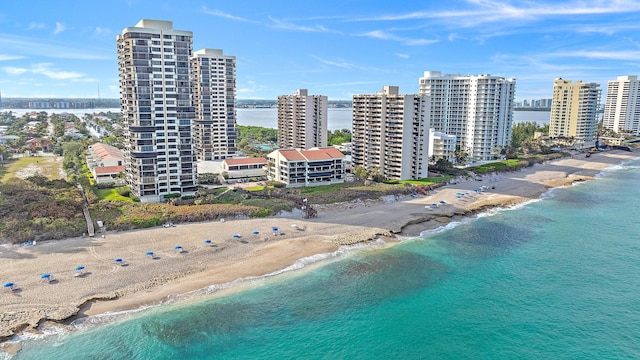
{"x":554,"y":279}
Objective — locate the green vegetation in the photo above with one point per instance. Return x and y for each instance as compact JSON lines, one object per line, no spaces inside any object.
{"x":251,"y":136}
{"x":428,"y":181}
{"x":328,"y":194}
{"x":338,"y":137}
{"x":38,"y":208}
{"x":112,"y":194}
{"x":47,"y":166}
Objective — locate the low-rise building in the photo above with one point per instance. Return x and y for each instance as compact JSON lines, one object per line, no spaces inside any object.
{"x":105,"y":162}
{"x":442,"y":146}
{"x":316,"y":166}
{"x":244,"y":168}
{"x":42,"y":144}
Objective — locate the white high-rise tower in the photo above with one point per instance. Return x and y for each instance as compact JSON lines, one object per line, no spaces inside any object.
{"x":478,"y":110}
{"x":622,"y":105}
{"x":302,"y":120}
{"x":391,"y":133}
{"x":214,"y":93}
{"x":157,"y":107}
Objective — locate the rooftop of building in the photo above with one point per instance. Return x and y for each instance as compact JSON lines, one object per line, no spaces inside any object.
{"x":105,"y":151}
{"x":246,"y":161}
{"x":313,"y":154}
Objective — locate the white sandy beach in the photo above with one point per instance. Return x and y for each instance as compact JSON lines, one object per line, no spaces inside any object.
{"x":150,"y":281}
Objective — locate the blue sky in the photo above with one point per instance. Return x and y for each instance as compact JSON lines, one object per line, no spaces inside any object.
{"x":334,"y":48}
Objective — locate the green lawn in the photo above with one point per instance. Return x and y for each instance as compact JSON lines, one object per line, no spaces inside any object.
{"x":321,"y":189}
{"x":427,"y":181}
{"x":48,"y":166}
{"x":498,"y":166}
{"x":110,"y":194}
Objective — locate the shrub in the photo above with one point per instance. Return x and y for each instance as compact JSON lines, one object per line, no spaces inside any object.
{"x":108,"y":185}
{"x":260,"y":213}
{"x":123,"y":191}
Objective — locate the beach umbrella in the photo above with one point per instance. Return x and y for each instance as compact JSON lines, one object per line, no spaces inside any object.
{"x":118,"y":260}
{"x":150,"y":253}
{"x":8,"y":284}
{"x":207,"y":241}
{"x":45,"y":276}
{"x":178,"y":247}
{"x":80,"y":267}
{"x":294,"y":225}
{"x":236,"y":236}
{"x":274,"y":229}
{"x":256,"y":232}
{"x":442,"y":202}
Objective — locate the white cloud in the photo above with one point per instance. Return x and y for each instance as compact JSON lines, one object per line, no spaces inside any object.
{"x":404,"y":56}
{"x":25,"y":45}
{"x":101,"y":31}
{"x":279,"y":24}
{"x":14,"y":70}
{"x":488,"y":11}
{"x":4,"y":57}
{"x":224,"y":15}
{"x":601,"y":55}
{"x":46,"y":70}
{"x":379,"y":34}
{"x":36,"y":26}
{"x":59,"y":28}
{"x":342,"y":63}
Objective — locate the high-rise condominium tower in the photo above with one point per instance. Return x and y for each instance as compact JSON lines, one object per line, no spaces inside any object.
{"x":214,"y":93}
{"x":574,"y":109}
{"x":478,"y":110}
{"x":391,"y":133}
{"x":302,"y":120}
{"x":156,"y":104}
{"x":622,"y":105}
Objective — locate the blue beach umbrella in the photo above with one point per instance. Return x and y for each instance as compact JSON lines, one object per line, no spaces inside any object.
{"x":150,"y":253}
{"x":236,"y":236}
{"x":8,"y":284}
{"x":80,"y":267}
{"x":118,"y":260}
{"x":45,"y":276}
{"x":178,"y":247}
{"x":256,"y":232}
{"x":442,"y":202}
{"x":274,"y":229}
{"x":207,"y":241}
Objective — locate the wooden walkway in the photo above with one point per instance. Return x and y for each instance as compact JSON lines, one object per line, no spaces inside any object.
{"x":85,"y":211}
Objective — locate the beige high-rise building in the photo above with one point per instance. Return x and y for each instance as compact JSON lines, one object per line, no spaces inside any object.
{"x":390,"y":132}
{"x":302,"y":120}
{"x":476,"y":109}
{"x":157,"y":109}
{"x":213,"y":75}
{"x":622,"y":105}
{"x":574,"y":109}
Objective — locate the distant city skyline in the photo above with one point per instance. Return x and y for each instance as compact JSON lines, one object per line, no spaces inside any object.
{"x":68,"y":50}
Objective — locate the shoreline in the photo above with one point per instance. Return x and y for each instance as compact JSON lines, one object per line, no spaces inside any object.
{"x":107,"y":287}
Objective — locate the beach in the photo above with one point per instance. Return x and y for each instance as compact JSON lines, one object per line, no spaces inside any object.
{"x":107,"y":286}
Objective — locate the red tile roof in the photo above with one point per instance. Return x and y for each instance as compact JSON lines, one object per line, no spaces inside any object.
{"x":313,"y":154}
{"x":105,"y":151}
{"x":323,"y":153}
{"x":292,"y":155}
{"x":109,"y":169}
{"x":246,"y":161}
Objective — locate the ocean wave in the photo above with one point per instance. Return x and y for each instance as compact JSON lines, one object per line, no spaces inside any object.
{"x":54,"y":333}
{"x":443,"y":228}
{"x":297,"y":265}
